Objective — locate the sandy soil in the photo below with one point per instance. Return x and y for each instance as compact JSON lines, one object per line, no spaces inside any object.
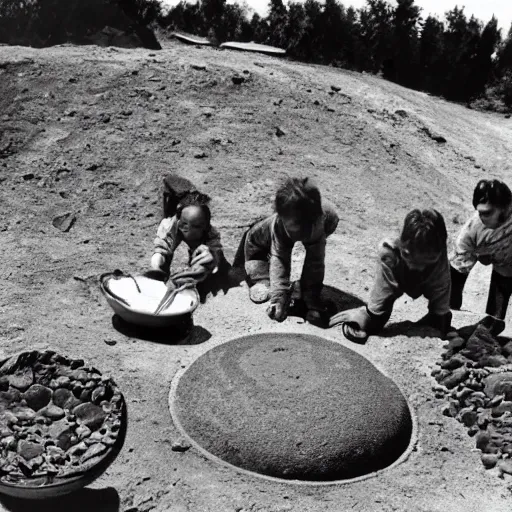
{"x":91,"y":131}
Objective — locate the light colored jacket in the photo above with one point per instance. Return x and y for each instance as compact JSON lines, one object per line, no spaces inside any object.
{"x":393,"y":278}
{"x":475,"y":243}
{"x":268,"y":238}
{"x":169,"y":237}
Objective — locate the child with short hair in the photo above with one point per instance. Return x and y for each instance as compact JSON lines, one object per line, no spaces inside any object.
{"x":486,"y":237}
{"x":300,"y":216}
{"x":415,"y":264}
{"x":191,"y":224}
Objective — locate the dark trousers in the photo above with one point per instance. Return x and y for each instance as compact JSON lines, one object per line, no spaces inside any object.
{"x":500,"y":291}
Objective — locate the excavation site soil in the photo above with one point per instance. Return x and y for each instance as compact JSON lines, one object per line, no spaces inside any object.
{"x":86,"y":136}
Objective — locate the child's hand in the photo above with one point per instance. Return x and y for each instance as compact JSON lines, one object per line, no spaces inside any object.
{"x":157,"y":261}
{"x":202,"y":256}
{"x":277,"y":311}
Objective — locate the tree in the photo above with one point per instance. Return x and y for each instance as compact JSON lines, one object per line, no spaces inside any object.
{"x":404,"y":41}
{"x":331,"y":19}
{"x":277,"y":20}
{"x":431,"y":56}
{"x":376,"y":21}
{"x":482,"y":70}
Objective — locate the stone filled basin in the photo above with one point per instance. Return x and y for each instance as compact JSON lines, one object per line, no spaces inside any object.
{"x":292,"y":406}
{"x":62,"y":423}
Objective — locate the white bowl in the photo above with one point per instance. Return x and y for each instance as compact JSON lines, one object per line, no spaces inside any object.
{"x":135,"y":299}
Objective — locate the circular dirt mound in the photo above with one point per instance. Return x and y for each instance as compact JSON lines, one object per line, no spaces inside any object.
{"x":292,"y":406}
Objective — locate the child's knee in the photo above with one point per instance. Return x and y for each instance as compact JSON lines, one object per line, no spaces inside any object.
{"x":257,"y":270}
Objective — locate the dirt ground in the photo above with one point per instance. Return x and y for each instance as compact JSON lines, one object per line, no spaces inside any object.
{"x":91,"y":131}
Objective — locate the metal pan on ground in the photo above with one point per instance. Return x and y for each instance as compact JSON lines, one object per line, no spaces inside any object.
{"x":53,"y":449}
{"x":136,"y":298}
{"x":185,"y":38}
{"x":254,"y":47}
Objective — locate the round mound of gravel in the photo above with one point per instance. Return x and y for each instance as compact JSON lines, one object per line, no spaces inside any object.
{"x":292,"y":406}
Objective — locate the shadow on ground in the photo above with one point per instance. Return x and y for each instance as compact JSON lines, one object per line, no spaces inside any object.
{"x":84,"y":500}
{"x":409,"y":329}
{"x":183,"y":334}
{"x":335,"y":301}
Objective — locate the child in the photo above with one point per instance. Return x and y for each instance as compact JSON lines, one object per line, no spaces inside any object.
{"x":415,"y":264}
{"x":191,"y":224}
{"x":299,"y":217}
{"x":486,"y":237}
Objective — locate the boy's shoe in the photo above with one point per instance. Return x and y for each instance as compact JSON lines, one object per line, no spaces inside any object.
{"x":260,"y":292}
{"x":353,"y":333}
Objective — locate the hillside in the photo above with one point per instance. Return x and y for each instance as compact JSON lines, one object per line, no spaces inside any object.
{"x":91,"y":131}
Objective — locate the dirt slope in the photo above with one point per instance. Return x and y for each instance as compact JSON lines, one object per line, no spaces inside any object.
{"x":91,"y":131}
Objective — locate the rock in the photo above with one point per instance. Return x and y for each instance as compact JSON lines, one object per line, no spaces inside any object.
{"x":98,"y":394}
{"x":22,"y":379}
{"x":505,"y":466}
{"x":505,"y":406}
{"x":61,"y":432}
{"x":456,"y":361}
{"x":477,"y":399}
{"x":37,"y":396}
{"x":180,"y":445}
{"x":493,"y":360}
{"x":82,"y":432}
{"x":456,"y":342}
{"x":468,"y":416}
{"x":202,"y":154}
{"x":24,"y":413}
{"x":28,"y":450}
{"x":78,"y":449}
{"x":198,"y":67}
{"x":64,"y":398}
{"x":401,"y":113}
{"x":489,"y":460}
{"x":85,"y":395}
{"x":4,"y":383}
{"x":90,"y":415}
{"x":110,"y":342}
{"x":9,"y":397}
{"x":434,"y":135}
{"x":279,"y":131}
{"x":457,"y":376}
{"x":64,"y":222}
{"x":451,"y":409}
{"x":496,"y":400}
{"x":483,"y":438}
{"x":499,"y":384}
{"x":29,"y":176}
{"x":237,"y":79}
{"x":93,"y":451}
{"x":480,"y":344}
{"x":507,"y":348}
{"x":53,"y":412}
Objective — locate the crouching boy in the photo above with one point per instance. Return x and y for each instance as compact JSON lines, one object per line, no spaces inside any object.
{"x":416,"y":264}
{"x":300,"y":216}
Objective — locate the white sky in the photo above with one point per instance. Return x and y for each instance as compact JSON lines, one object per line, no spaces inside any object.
{"x":482,"y":9}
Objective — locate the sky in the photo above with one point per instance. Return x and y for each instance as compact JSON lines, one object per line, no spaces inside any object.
{"x":481,"y":9}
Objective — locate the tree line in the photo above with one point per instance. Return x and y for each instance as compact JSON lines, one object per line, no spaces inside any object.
{"x":459,"y":58}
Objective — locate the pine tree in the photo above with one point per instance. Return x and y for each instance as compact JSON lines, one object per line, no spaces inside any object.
{"x":376,"y":21}
{"x":431,"y":56}
{"x":404,"y":68}
{"x":277,"y":19}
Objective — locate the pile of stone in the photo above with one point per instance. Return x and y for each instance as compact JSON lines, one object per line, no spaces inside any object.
{"x":475,"y":376}
{"x":58,"y":417}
